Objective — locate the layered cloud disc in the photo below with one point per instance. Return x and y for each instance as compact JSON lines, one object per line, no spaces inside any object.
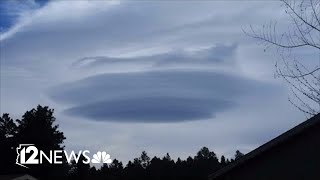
{"x":155,"y":96}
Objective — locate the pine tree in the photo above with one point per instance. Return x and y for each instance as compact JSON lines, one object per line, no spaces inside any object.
{"x":238,"y":155}
{"x":38,"y":127}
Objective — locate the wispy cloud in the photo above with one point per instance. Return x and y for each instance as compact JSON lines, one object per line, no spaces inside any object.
{"x":16,"y":14}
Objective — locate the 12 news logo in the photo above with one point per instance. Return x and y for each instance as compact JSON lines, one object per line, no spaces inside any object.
{"x":28,"y":154}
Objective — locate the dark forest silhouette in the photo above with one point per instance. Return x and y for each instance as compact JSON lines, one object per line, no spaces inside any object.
{"x":38,"y":126}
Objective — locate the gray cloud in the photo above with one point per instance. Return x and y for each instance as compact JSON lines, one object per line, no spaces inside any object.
{"x":219,"y":54}
{"x":155,"y":96}
{"x":151,"y":109}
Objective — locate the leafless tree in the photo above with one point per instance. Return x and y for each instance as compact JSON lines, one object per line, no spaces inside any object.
{"x":303,"y":32}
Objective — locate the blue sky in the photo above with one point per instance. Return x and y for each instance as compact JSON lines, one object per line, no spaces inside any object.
{"x":128,"y":76}
{"x":11,"y":11}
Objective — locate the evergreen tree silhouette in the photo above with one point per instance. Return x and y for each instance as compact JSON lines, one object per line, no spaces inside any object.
{"x":8,"y":131}
{"x":223,"y":161}
{"x":79,"y":170}
{"x":38,"y":127}
{"x":238,"y":155}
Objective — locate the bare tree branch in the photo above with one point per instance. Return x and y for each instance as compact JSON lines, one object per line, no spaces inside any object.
{"x":303,"y":32}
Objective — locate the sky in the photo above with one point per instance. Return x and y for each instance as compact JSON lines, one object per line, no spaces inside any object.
{"x":159,"y":76}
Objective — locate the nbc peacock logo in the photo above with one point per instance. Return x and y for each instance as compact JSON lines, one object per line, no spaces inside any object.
{"x":101,"y":157}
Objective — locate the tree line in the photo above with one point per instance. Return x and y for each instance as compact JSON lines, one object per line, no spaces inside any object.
{"x":38,"y":127}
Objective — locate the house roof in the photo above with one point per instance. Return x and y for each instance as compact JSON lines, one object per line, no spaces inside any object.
{"x":269,"y":145}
